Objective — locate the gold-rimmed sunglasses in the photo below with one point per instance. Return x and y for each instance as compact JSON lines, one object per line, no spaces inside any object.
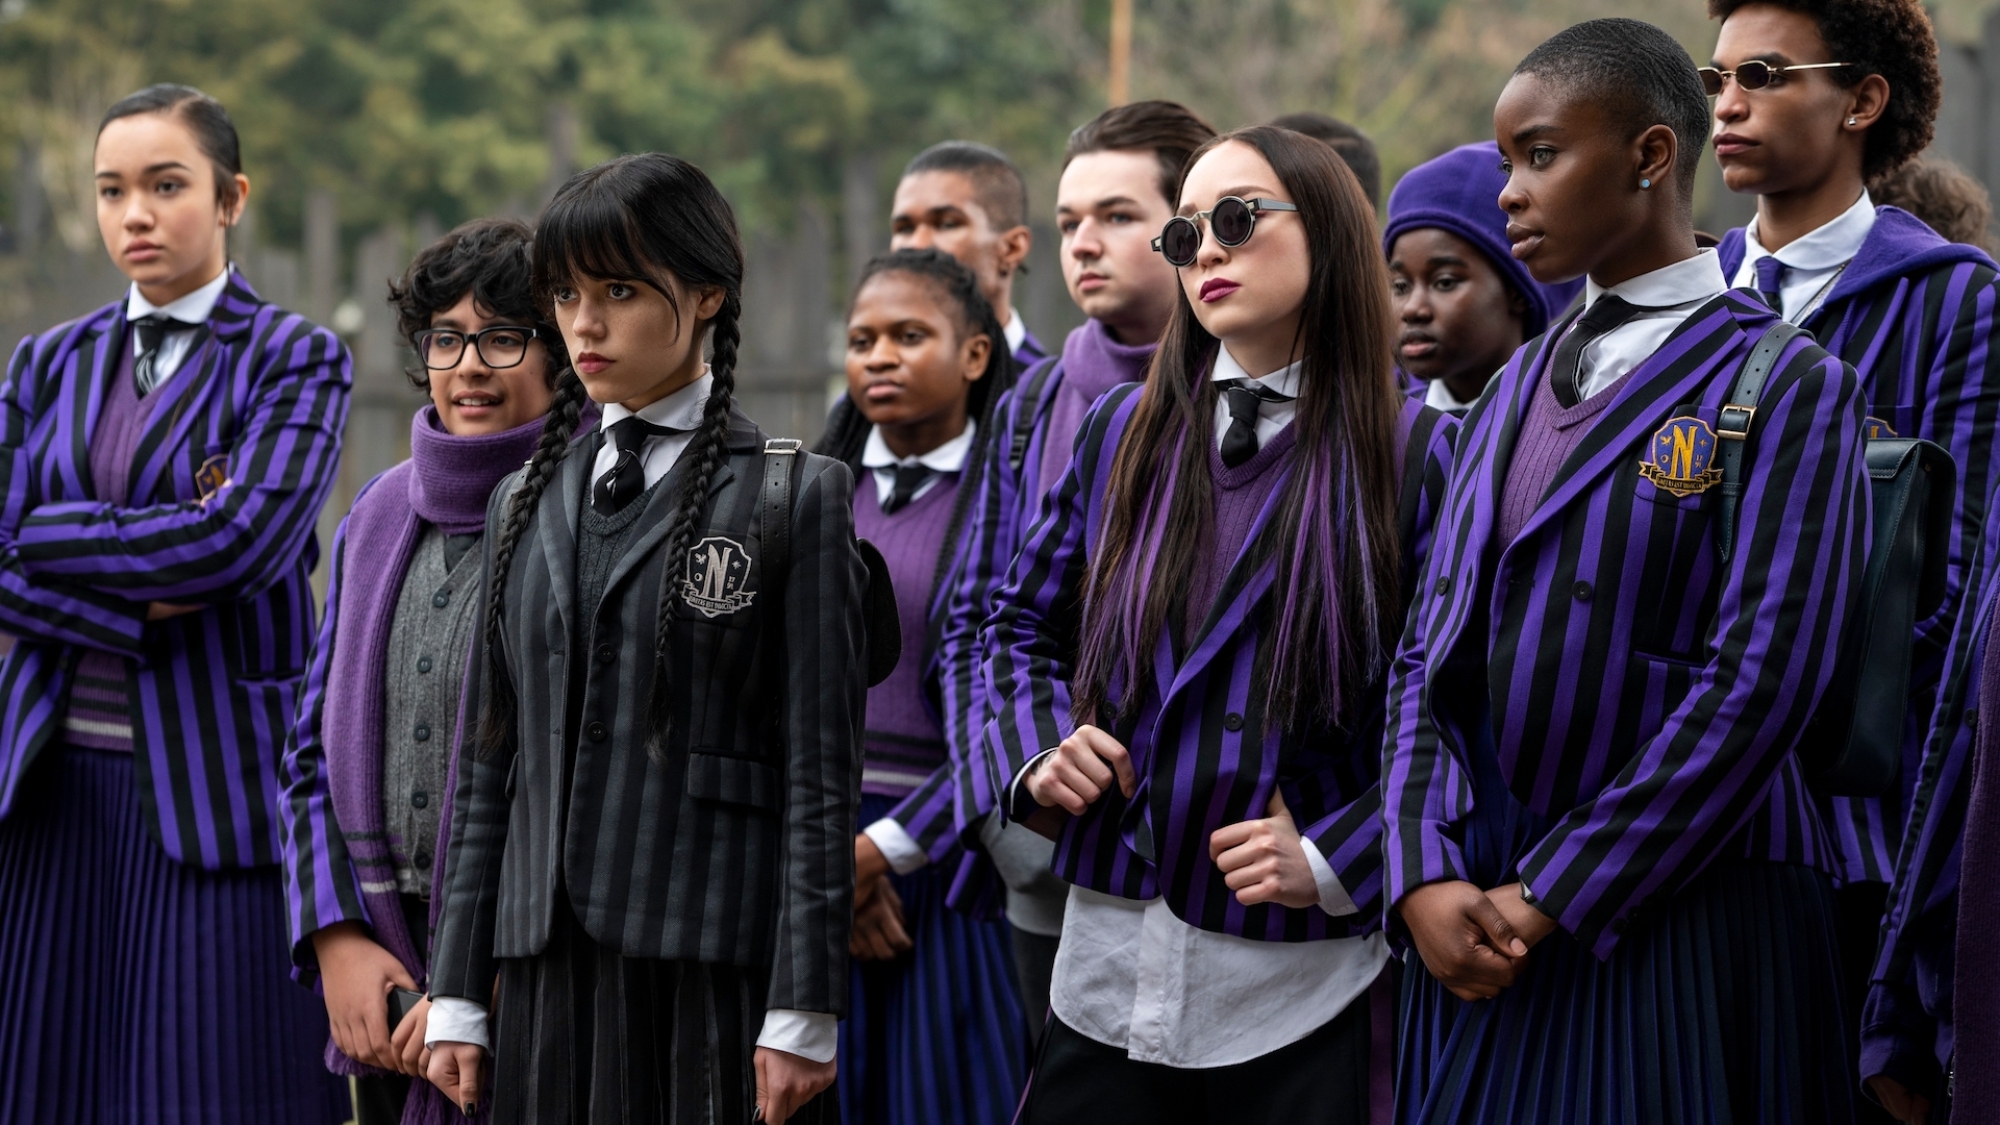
{"x":1755,"y":74}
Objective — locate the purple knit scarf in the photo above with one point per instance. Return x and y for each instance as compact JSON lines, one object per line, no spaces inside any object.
{"x":445,"y":482}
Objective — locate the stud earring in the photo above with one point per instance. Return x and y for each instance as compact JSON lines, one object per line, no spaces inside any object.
{"x":1852,"y":122}
{"x":1645,"y":184}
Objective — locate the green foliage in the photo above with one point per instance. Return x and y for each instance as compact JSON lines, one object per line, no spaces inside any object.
{"x":455,"y":108}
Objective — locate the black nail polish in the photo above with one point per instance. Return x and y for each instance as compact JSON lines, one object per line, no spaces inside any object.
{"x":469,"y":1107}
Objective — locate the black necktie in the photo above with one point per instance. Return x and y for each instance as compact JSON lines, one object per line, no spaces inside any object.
{"x":1566,"y":372}
{"x":152,"y":332}
{"x":1239,"y":441}
{"x":909,"y":478}
{"x":1771,"y":282}
{"x":627,"y":478}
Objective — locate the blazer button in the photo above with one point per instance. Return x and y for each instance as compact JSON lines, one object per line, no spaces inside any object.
{"x":422,"y":733}
{"x":596,"y":732}
{"x":421,"y":859}
{"x":1582,"y":591}
{"x":423,"y":663}
{"x":1232,"y":721}
{"x":606,"y":654}
{"x":1971,"y":717}
{"x":1444,"y":585}
{"x":441,"y":599}
{"x":419,"y":799}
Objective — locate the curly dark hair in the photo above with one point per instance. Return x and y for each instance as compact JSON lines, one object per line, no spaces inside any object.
{"x":1940,"y":193}
{"x":488,"y":258}
{"x":1892,"y":38}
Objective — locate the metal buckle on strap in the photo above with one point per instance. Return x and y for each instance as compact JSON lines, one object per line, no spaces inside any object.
{"x":1735,"y":428}
{"x":783,"y":446}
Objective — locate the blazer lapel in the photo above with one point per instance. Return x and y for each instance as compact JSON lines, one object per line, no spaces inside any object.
{"x":186,"y":395}
{"x":1672,"y":375}
{"x":86,"y":380}
{"x":556,"y":523}
{"x":657,"y":519}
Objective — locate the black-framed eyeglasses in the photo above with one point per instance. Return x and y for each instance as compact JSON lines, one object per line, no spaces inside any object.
{"x":499,"y":346}
{"x":1754,"y":74}
{"x":1232,"y":219}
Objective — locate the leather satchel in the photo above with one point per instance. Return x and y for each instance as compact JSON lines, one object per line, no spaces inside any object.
{"x":1852,"y":746}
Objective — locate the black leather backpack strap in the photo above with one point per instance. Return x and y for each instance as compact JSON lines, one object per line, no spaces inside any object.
{"x":1739,"y":415}
{"x":781,"y":458}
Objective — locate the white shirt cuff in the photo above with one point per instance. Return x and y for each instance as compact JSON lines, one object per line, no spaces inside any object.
{"x":1333,"y":898}
{"x":454,"y":1019}
{"x":903,"y":854}
{"x":1014,"y":786}
{"x":809,"y":1035}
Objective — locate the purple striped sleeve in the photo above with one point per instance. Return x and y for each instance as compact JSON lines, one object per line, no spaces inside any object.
{"x":58,"y":612}
{"x":249,"y":533}
{"x":321,"y":887}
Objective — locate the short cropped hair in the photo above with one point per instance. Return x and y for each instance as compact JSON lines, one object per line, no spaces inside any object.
{"x":491,"y":259}
{"x":1892,"y":38}
{"x":1351,"y":143}
{"x":1001,"y":191}
{"x":1168,"y":130}
{"x":1639,"y":74}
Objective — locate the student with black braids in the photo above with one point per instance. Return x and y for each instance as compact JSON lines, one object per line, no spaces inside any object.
{"x":651,"y":846}
{"x":937,"y":1031}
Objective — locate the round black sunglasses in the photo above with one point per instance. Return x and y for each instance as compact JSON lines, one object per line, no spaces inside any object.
{"x":1232,"y":219}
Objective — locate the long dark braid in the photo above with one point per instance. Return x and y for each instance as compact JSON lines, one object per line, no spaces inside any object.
{"x":705,"y":454}
{"x":654,"y":220}
{"x":496,"y":713}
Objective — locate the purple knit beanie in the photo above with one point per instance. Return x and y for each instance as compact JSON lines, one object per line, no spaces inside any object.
{"x":1460,"y":192}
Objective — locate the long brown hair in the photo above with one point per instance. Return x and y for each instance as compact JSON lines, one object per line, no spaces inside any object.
{"x":1334,"y":533}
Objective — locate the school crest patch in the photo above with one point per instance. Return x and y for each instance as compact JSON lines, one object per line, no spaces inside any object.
{"x":1681,"y":457}
{"x":1875,"y":429}
{"x":717,"y":571}
{"x":213,"y":474}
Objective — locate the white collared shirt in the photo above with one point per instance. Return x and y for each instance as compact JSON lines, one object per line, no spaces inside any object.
{"x":1668,"y":294}
{"x":680,"y":410}
{"x":1130,"y":975}
{"x":1014,"y":330}
{"x":1814,"y":260}
{"x":811,"y":1035}
{"x":1438,"y":396}
{"x":1271,"y":416}
{"x":946,"y":458}
{"x":194,"y":308}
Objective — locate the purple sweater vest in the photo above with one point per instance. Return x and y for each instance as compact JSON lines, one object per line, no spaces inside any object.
{"x":903,"y":740}
{"x":100,"y":696}
{"x":1550,"y":432}
{"x":1238,"y":495}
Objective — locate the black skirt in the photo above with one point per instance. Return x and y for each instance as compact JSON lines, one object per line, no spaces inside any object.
{"x":587,"y":1036}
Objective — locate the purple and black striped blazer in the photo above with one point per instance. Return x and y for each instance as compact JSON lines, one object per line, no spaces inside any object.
{"x":260,"y":401}
{"x":1198,"y":743}
{"x":1644,"y":697}
{"x":1914,"y":315}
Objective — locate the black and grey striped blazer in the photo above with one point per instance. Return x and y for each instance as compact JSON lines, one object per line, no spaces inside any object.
{"x":738,"y":846}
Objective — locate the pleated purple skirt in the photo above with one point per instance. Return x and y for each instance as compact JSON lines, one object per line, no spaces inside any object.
{"x":937,"y":1035}
{"x":1722,"y":1007}
{"x":134,"y":988}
